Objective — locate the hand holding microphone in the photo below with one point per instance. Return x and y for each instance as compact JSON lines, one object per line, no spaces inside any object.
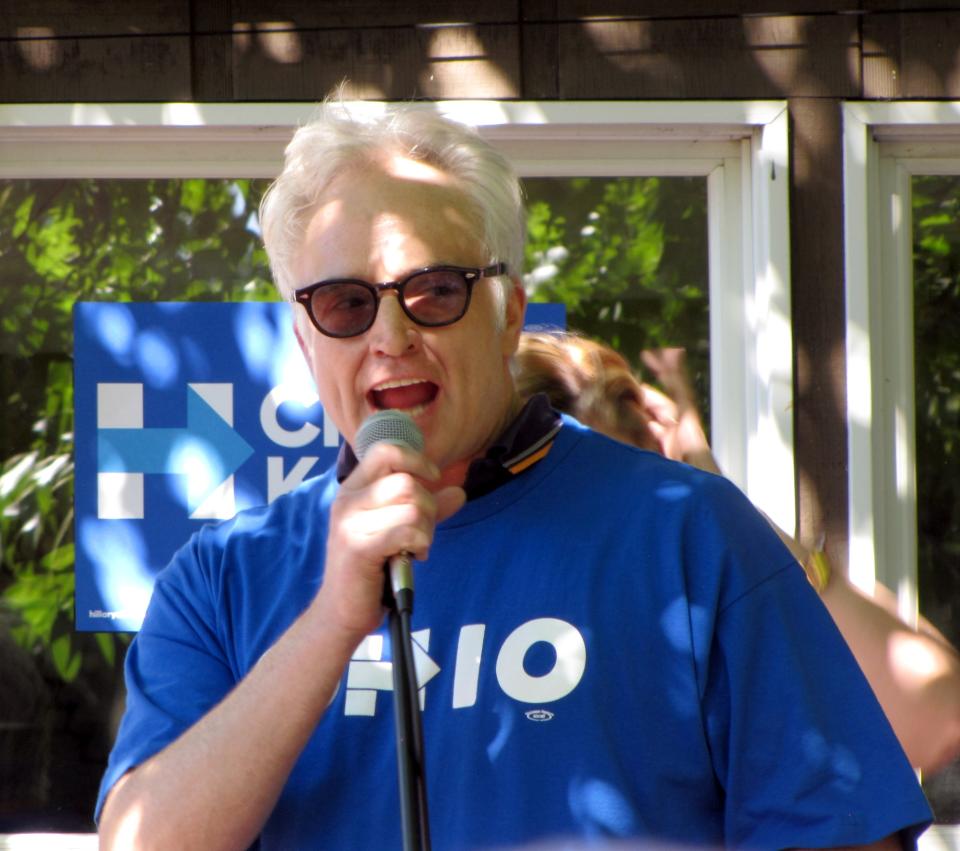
{"x":388,"y":505}
{"x":396,"y":428}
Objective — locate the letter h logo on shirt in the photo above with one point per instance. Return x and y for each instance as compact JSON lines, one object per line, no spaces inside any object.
{"x":206,"y":452}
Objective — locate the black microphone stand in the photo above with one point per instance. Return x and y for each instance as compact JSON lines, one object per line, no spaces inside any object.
{"x":406,"y":707}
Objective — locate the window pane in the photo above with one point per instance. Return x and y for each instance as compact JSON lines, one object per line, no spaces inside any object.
{"x":62,"y":241}
{"x":628,"y":256}
{"x":936,"y":273}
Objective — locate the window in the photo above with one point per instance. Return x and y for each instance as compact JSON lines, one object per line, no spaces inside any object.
{"x":902,"y":187}
{"x":729,"y":160}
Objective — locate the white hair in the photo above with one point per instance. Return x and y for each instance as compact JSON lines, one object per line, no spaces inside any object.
{"x":337,"y":140}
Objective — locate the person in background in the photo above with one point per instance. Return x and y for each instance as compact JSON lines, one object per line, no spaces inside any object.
{"x":915,"y":672}
{"x":614,"y":645}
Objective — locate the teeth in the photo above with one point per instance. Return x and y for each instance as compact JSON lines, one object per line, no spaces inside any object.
{"x":400,"y":382}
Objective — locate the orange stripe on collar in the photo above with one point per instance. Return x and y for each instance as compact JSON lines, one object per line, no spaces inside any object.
{"x":530,"y":460}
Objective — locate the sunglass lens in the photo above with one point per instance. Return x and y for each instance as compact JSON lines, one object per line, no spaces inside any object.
{"x":343,"y":310}
{"x":437,"y":297}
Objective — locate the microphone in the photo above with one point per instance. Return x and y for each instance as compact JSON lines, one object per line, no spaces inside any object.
{"x":391,"y":426}
{"x":398,"y":428}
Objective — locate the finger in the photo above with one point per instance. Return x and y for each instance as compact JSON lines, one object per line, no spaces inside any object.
{"x":383,"y":458}
{"x":662,"y":363}
{"x":652,"y":360}
{"x":378,"y":533}
{"x":395,"y":488}
{"x":676,"y":377}
{"x":676,"y":356}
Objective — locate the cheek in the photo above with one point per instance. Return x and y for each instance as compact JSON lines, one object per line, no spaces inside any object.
{"x":480,"y":366}
{"x":324,"y":383}
{"x":332,"y":377}
{"x":334,"y":383}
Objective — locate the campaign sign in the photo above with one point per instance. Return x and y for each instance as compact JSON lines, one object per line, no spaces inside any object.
{"x":185,"y":413}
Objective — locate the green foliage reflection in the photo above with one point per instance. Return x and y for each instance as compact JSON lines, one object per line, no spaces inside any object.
{"x":90,"y":240}
{"x":936,"y":270}
{"x":628,"y":256}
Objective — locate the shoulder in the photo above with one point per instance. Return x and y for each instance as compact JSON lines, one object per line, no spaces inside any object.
{"x":614,"y":464}
{"x":704,"y":519}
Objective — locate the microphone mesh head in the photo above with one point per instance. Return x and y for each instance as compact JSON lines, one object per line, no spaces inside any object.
{"x":388,"y":426}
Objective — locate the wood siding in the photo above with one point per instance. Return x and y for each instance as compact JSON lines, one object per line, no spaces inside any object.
{"x":63,"y":50}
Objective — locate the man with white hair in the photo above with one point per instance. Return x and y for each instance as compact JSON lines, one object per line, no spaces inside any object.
{"x":596,"y":658}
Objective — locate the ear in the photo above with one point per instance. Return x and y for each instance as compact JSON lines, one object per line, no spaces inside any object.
{"x":516,"y":308}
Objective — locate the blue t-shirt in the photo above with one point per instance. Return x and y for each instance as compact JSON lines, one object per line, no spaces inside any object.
{"x":611,"y":645}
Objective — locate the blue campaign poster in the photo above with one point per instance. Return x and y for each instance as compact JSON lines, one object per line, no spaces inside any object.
{"x":185,"y":413}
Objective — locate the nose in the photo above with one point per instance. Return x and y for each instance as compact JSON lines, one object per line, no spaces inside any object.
{"x":393,"y":333}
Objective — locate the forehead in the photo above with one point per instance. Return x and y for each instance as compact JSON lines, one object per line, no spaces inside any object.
{"x":394,"y":214}
{"x":387,"y":184}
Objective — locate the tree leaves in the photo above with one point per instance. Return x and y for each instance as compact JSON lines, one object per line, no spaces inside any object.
{"x":936,"y":273}
{"x":627,"y":256}
{"x":70,"y":240}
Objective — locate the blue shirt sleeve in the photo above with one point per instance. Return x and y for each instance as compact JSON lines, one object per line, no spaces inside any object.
{"x":179,"y":634}
{"x":780,"y":680}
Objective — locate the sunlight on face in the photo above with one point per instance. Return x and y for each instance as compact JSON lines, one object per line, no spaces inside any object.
{"x":379,"y":224}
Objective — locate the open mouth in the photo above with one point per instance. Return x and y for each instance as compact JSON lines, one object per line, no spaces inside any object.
{"x":404,"y":395}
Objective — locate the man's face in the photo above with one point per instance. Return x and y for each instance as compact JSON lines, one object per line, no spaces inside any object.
{"x":381,"y":224}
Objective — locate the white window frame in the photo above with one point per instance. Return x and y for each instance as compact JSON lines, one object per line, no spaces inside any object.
{"x":884,"y":145}
{"x":740,"y":147}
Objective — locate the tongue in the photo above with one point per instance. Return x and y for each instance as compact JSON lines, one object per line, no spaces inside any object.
{"x":406,"y":397}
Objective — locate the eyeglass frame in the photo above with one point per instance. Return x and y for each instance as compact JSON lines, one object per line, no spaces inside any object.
{"x":304,"y":295}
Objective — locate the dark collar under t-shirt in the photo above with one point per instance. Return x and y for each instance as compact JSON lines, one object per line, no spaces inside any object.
{"x":524,"y":442}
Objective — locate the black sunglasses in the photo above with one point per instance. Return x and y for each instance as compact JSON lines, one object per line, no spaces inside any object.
{"x":434,"y":296}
